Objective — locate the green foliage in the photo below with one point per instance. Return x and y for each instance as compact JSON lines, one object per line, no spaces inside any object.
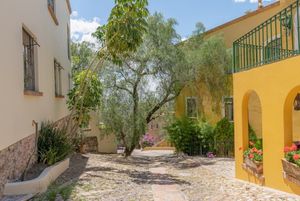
{"x":125,"y":28}
{"x":224,"y":137}
{"x":192,"y":137}
{"x":184,"y":135}
{"x":53,"y":144}
{"x":66,"y":193}
{"x":131,"y":101}
{"x":210,"y":60}
{"x":82,"y":54}
{"x":87,"y":100}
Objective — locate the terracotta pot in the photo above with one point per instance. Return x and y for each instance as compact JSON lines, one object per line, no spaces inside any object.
{"x":256,"y":167}
{"x":291,"y":169}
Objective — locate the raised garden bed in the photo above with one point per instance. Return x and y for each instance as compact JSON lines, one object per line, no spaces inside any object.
{"x":291,"y":171}
{"x":39,"y":184}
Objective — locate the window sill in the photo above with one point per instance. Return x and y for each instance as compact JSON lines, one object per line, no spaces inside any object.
{"x":32,"y":93}
{"x":59,"y":96}
{"x":51,"y":11}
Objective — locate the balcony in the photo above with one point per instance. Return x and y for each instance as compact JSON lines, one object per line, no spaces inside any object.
{"x":275,"y":39}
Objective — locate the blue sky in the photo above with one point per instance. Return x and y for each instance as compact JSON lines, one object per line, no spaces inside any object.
{"x":88,"y":14}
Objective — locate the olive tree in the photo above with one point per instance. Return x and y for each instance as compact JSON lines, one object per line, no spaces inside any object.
{"x":146,"y":81}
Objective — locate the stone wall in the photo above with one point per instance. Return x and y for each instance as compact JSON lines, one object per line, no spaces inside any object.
{"x":13,"y":160}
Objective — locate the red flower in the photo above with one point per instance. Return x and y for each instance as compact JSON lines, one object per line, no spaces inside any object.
{"x":254,"y":150}
{"x":260,"y":152}
{"x":287,"y":149}
{"x":296,"y":157}
{"x":294,"y":147}
{"x":251,"y":156}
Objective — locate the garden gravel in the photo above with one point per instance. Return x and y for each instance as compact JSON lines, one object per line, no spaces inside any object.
{"x":113,"y":178}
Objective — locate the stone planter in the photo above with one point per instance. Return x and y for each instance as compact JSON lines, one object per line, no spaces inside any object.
{"x":40,"y":184}
{"x":256,"y":167}
{"x":291,"y":171}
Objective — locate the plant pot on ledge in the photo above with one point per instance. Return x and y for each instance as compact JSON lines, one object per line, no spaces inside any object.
{"x":253,"y":166}
{"x":291,"y":171}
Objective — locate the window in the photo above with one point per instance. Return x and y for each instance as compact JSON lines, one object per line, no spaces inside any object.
{"x":29,"y":61}
{"x":228,"y":107}
{"x":57,"y":79}
{"x":191,"y":107}
{"x":68,"y":42}
{"x":52,"y":10}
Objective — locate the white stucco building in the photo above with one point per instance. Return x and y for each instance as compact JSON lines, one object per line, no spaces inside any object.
{"x":35,"y":75}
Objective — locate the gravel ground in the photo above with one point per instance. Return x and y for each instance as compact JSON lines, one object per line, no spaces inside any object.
{"x":113,"y":178}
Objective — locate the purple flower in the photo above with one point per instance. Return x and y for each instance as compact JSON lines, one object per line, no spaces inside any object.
{"x":210,"y":155}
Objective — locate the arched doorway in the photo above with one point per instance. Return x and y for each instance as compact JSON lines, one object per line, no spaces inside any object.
{"x":252,"y":134}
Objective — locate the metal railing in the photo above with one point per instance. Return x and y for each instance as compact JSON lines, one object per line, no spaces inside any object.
{"x":275,"y":39}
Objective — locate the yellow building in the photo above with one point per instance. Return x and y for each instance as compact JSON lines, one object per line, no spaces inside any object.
{"x":189,"y":98}
{"x":266,"y":88}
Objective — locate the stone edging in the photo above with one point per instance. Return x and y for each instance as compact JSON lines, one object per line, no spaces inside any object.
{"x":40,"y":184}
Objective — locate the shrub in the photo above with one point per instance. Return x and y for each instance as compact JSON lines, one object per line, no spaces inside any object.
{"x":53,"y":144}
{"x":183,"y":135}
{"x":224,"y":137}
{"x":148,"y":140}
{"x":191,"y":137}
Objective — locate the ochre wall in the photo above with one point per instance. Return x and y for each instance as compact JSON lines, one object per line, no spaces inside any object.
{"x":276,"y":85}
{"x":254,"y":114}
{"x":230,"y":33}
{"x":201,"y":93}
{"x":106,"y":143}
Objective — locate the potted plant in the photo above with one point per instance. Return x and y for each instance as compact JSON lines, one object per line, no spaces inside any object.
{"x":253,"y":157}
{"x":291,"y":163}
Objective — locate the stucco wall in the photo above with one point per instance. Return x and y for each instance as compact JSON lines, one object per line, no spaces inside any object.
{"x":276,"y":85}
{"x":254,"y":114}
{"x":18,"y":110}
{"x":106,"y":143}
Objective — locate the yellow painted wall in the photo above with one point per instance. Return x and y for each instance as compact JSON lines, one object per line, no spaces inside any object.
{"x":230,"y":32}
{"x":276,"y":85}
{"x":254,"y":114}
{"x":106,"y":143}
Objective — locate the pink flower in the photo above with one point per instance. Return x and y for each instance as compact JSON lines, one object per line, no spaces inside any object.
{"x":251,"y":156}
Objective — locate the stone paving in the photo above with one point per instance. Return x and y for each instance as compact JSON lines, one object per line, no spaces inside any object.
{"x":160,"y":176}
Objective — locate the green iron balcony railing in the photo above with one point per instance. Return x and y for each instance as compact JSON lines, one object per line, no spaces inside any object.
{"x":275,"y":39}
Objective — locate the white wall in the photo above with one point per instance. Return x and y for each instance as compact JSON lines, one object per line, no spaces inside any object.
{"x":17,"y":110}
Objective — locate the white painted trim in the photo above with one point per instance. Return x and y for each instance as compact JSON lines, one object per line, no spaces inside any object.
{"x":40,"y":184}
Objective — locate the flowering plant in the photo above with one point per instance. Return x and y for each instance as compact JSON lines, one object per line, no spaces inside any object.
{"x":210,"y":155}
{"x":254,"y":152}
{"x":148,"y":140}
{"x":292,"y":154}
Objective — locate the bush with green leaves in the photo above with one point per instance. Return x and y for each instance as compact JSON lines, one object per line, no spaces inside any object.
{"x":85,"y":96}
{"x":199,"y":137}
{"x":53,"y":144}
{"x":191,"y":137}
{"x":224,"y":138}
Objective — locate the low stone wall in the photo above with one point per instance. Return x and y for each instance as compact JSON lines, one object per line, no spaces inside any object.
{"x":13,"y":160}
